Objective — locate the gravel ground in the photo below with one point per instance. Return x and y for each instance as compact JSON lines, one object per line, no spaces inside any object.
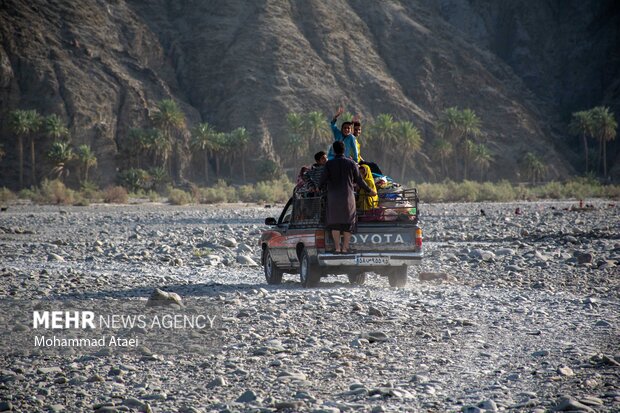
{"x":507,"y":312}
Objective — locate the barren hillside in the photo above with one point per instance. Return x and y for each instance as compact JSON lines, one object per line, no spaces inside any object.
{"x":103,"y":65}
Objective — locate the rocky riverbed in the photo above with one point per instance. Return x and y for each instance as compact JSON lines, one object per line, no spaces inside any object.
{"x":508,"y":312}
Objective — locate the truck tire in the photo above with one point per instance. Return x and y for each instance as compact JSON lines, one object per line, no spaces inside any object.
{"x":273,"y":274}
{"x":309,"y":273}
{"x":398,"y":276}
{"x":357,"y":278}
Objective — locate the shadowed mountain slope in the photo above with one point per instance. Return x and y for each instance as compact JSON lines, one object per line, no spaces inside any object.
{"x":103,"y":65}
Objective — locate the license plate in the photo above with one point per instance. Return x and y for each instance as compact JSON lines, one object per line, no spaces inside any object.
{"x":372,"y":260}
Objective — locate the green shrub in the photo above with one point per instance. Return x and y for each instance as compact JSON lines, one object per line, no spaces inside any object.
{"x":230,"y":191}
{"x":91,"y":191}
{"x":115,"y":195}
{"x":467,"y":191}
{"x":269,"y":191}
{"x":521,"y":192}
{"x":179,"y":197}
{"x":611,"y":191}
{"x":499,"y":192}
{"x":273,"y":191}
{"x":219,"y":193}
{"x":135,"y":179}
{"x":504,"y":191}
{"x":153,"y":196}
{"x":432,"y":192}
{"x":553,"y":190}
{"x":581,"y":188}
{"x":264,"y":192}
{"x":247,"y":193}
{"x":28,"y":193}
{"x":7,"y":195}
{"x":158,"y":180}
{"x":55,"y":192}
{"x":212,"y":196}
{"x":80,"y":200}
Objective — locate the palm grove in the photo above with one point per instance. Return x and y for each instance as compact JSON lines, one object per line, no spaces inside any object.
{"x":460,"y":150}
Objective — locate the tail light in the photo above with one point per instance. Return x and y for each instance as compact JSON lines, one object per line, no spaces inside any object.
{"x":319,"y":236}
{"x":418,"y":237}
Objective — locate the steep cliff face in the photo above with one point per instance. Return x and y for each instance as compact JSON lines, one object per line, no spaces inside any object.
{"x":95,"y":64}
{"x":103,"y":65}
{"x":565,"y":51}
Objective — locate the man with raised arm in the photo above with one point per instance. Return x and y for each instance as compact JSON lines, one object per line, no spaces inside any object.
{"x":343,"y":135}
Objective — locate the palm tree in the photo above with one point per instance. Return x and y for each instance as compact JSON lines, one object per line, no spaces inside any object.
{"x":136,"y":145}
{"x":408,"y":142}
{"x":60,"y":154}
{"x":482,"y":157}
{"x":220,"y":149}
{"x":449,"y":124}
{"x":442,"y":149}
{"x":534,"y":167}
{"x":346,"y":117}
{"x":468,"y":147}
{"x":459,"y":127}
{"x":203,"y":141}
{"x":87,"y":159}
{"x":605,"y":127}
{"x":55,"y":128}
{"x":382,"y":130}
{"x":582,"y":124}
{"x":18,"y":121}
{"x":34,"y":125}
{"x":159,"y":178}
{"x":469,"y":128}
{"x":147,"y":144}
{"x":318,"y":128}
{"x":168,"y":118}
{"x":297,"y":145}
{"x":240,"y":138}
{"x":161,"y":145}
{"x":469,"y":123}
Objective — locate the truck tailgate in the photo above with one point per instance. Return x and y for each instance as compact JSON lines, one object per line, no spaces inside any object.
{"x":381,"y":238}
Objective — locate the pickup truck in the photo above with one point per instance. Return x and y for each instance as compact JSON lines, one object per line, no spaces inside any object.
{"x":388,"y":240}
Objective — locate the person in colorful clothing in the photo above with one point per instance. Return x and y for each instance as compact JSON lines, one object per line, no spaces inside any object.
{"x":357,"y":131}
{"x":366,"y":200}
{"x":343,"y":135}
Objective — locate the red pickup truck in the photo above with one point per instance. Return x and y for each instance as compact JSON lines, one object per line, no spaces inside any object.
{"x":387,"y":241}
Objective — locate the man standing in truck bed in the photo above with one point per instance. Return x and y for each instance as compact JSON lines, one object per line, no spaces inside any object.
{"x":340,"y":174}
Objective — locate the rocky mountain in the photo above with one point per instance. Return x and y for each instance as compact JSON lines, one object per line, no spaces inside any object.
{"x":102,"y":65}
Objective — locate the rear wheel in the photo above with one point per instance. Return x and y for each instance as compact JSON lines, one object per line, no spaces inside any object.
{"x":273,"y":274}
{"x":398,"y":276}
{"x":357,"y":278}
{"x":309,"y":273}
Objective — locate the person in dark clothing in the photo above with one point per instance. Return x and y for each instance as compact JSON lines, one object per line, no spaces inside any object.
{"x":313,"y":175}
{"x":340,"y":174}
